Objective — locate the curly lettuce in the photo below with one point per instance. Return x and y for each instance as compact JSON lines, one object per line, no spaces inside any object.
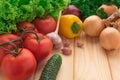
{"x":14,"y":11}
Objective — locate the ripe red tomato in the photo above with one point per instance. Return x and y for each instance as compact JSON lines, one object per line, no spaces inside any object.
{"x":20,"y":67}
{"x":46,"y":25}
{"x":26,"y":25}
{"x":6,"y":38}
{"x":41,"y":49}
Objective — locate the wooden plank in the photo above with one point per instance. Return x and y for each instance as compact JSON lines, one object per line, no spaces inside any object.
{"x":66,"y":70}
{"x":87,"y":63}
{"x":90,"y":61}
{"x":114,"y":62}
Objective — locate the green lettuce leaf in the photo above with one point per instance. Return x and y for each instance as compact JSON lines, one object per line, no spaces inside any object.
{"x":14,"y":11}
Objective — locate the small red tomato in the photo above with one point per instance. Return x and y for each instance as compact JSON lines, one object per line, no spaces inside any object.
{"x":41,"y":49}
{"x":26,"y":25}
{"x":6,"y":38}
{"x":20,"y":67}
{"x":46,"y":25}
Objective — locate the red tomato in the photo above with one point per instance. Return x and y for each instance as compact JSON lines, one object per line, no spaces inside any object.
{"x":41,"y":49}
{"x":20,"y":67}
{"x":6,"y":38}
{"x":46,"y":25}
{"x":29,"y":27}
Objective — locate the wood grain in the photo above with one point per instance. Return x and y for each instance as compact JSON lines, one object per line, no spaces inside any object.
{"x":90,"y":62}
{"x":114,"y":62}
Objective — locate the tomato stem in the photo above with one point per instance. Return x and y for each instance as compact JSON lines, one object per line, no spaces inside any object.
{"x":25,"y":29}
{"x":9,"y":42}
{"x":37,"y":37}
{"x":14,"y":53}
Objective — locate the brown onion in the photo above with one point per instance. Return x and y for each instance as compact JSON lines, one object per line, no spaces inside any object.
{"x":110,"y":38}
{"x":109,"y":9}
{"x":93,"y":25}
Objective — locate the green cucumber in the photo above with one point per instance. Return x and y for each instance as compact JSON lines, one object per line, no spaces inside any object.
{"x":52,"y":67}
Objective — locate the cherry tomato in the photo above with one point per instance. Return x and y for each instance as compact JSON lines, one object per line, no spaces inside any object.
{"x":19,"y":67}
{"x":41,"y":49}
{"x":46,"y":25}
{"x":6,"y":38}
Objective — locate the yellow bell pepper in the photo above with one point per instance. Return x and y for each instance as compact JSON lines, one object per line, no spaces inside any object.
{"x":70,"y":26}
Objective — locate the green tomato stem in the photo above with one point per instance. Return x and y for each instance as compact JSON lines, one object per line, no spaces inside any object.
{"x":37,"y":37}
{"x":14,"y":53}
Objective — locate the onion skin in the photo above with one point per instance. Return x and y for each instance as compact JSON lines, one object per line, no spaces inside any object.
{"x":109,"y":9}
{"x":110,"y":38}
{"x":93,"y":26}
{"x":71,"y":9}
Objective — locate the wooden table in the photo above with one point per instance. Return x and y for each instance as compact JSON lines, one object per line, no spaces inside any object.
{"x":91,"y":62}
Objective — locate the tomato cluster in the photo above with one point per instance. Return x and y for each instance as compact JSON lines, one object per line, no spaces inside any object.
{"x":32,"y":46}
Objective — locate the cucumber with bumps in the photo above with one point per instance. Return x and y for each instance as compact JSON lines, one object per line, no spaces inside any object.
{"x":52,"y":67}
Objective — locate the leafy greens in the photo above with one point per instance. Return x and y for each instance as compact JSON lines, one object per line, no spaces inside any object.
{"x":14,"y":11}
{"x":89,"y":7}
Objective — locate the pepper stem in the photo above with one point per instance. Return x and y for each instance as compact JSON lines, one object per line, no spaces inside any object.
{"x":76,"y":27}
